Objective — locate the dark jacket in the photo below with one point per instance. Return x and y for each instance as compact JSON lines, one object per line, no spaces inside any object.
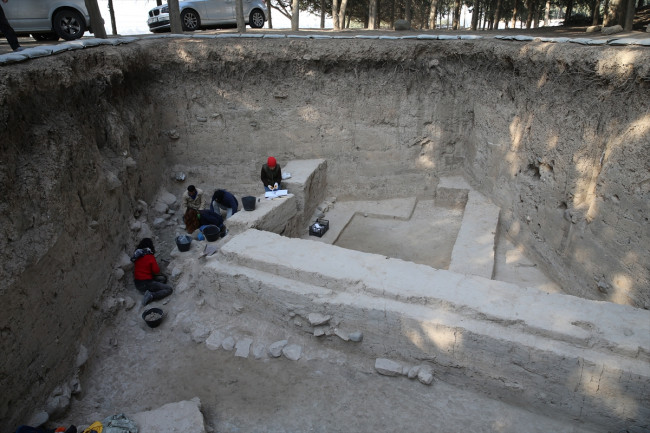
{"x":270,"y":176}
{"x":224,"y":198}
{"x":211,"y":218}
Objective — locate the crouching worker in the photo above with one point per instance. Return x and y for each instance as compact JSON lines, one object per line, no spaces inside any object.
{"x":197,"y":219}
{"x":225,"y":201}
{"x":271,"y":175}
{"x":146,"y":273}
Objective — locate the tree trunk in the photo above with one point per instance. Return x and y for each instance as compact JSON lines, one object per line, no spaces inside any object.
{"x":322,"y":14}
{"x":239,"y":13}
{"x":96,"y":20}
{"x":158,"y":2}
{"x":486,"y":14}
{"x":407,"y":11}
{"x":378,"y":19}
{"x":335,"y":15}
{"x":530,"y":5}
{"x":606,"y":14}
{"x":456,"y":15}
{"x":111,"y":12}
{"x":295,"y":15}
{"x":372,"y":14}
{"x":497,"y":14}
{"x":392,"y":14}
{"x":547,"y":13}
{"x":629,"y":16}
{"x":595,"y":15}
{"x":175,"y":17}
{"x":433,"y":13}
{"x":475,"y":14}
{"x":514,"y":15}
{"x":569,"y":11}
{"x":344,"y":5}
{"x":268,"y":6}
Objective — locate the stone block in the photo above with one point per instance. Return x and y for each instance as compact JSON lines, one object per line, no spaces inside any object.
{"x":182,"y":416}
{"x":612,"y":30}
{"x":275,"y":349}
{"x":316,"y":319}
{"x":259,"y":350}
{"x":213,"y":342}
{"x":243,"y":347}
{"x":228,"y":343}
{"x":387,"y":367}
{"x":292,"y":352}
{"x":425,"y":375}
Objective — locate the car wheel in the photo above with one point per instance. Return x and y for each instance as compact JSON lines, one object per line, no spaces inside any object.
{"x":69,"y":24}
{"x":45,"y":37}
{"x":191,"y":20}
{"x":256,"y":19}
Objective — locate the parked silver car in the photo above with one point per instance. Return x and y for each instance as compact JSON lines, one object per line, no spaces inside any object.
{"x":207,"y":14}
{"x":48,"y":19}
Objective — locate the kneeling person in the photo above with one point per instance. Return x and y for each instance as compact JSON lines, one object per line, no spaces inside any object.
{"x":146,"y":273}
{"x":225,"y":201}
{"x":195,"y":219}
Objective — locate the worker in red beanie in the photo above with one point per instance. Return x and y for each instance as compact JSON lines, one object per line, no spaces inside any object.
{"x":271,"y":175}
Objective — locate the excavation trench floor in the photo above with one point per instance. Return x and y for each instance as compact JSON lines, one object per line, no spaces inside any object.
{"x":427,"y":237}
{"x":423,"y":232}
{"x":332,"y":388}
{"x":278,"y":395}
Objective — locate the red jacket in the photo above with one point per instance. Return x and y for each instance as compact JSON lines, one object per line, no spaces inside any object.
{"x":145,"y":268}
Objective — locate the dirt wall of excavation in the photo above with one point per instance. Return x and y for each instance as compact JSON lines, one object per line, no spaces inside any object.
{"x":555,"y":134}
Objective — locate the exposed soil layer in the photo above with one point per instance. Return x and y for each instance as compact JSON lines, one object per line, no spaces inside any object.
{"x":555,"y":134}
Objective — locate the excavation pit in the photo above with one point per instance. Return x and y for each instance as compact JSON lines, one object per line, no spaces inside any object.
{"x":506,"y":118}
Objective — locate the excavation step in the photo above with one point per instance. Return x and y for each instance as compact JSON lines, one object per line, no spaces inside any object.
{"x":272,"y":215}
{"x":586,"y":358}
{"x":288,"y":215}
{"x":473,"y":251}
{"x":308,"y":182}
{"x":342,"y":213}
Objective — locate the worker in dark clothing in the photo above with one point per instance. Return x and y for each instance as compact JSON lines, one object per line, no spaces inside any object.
{"x":8,"y":31}
{"x":196,"y":219}
{"x":271,"y":175}
{"x":225,"y":201}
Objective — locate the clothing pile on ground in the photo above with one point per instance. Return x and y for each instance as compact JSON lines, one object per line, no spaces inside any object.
{"x":113,"y":424}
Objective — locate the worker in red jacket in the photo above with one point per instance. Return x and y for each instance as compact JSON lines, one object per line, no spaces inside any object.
{"x":146,"y":273}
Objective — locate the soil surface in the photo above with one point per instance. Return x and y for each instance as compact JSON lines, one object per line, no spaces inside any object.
{"x":427,"y":237}
{"x":568,"y":32}
{"x":135,"y":368}
{"x":330,"y":389}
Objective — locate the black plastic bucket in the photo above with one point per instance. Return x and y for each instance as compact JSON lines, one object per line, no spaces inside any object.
{"x":211,"y":233}
{"x":248,"y":202}
{"x":153,"y":317}
{"x":183,"y":242}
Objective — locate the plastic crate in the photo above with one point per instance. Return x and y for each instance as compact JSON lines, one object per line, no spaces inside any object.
{"x":323,"y":226}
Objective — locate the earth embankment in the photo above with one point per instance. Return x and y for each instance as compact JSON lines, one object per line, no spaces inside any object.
{"x":555,"y":134}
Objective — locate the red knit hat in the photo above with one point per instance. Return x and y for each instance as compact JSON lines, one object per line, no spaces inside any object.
{"x":271,"y":162}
